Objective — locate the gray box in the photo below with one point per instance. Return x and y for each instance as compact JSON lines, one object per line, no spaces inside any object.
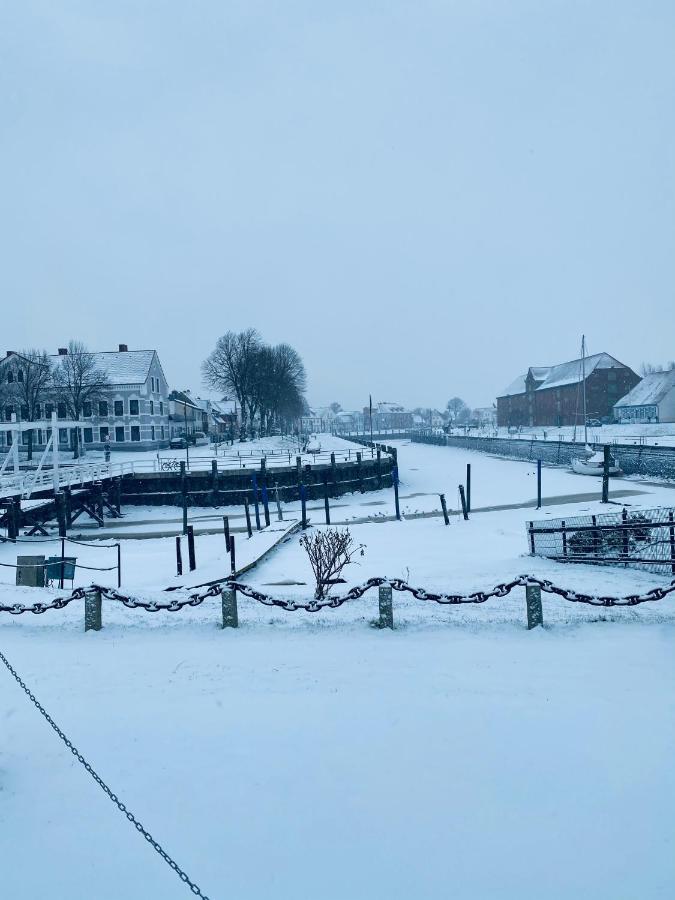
{"x":30,"y":571}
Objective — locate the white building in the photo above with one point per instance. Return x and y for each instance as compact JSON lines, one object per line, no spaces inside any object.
{"x":652,"y":400}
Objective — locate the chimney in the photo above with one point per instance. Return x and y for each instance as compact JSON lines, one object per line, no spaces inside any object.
{"x":123,"y":348}
{"x":10,"y":353}
{"x":63,"y":351}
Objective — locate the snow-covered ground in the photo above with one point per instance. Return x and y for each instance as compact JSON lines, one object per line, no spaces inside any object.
{"x":310,"y":755}
{"x":661,"y":434}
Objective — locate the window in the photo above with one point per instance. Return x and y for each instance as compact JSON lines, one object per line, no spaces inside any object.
{"x":86,"y":409}
{"x":24,"y":413}
{"x":133,"y":407}
{"x":10,"y":377}
{"x":63,"y":435}
{"x":161,"y":407}
{"x":9,"y":412}
{"x":104,"y":431}
{"x":61,"y":410}
{"x":20,"y":375}
{"x":162,"y":432}
{"x":49,"y":409}
{"x":119,"y":407}
{"x":103,"y":408}
{"x":135,"y":433}
{"x":152,"y":432}
{"x":38,"y":411}
{"x":119,"y":433}
{"x":152,"y":384}
{"x":89,"y":435}
{"x":152,"y":407}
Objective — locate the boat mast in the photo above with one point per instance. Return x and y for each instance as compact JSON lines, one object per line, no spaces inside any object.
{"x":583,"y":379}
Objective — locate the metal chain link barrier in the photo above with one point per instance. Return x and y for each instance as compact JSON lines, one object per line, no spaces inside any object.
{"x":334,"y":602}
{"x":99,"y":781}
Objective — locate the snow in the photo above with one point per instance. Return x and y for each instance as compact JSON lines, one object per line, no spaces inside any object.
{"x":650,"y":391}
{"x":310,"y":755}
{"x":129,"y":367}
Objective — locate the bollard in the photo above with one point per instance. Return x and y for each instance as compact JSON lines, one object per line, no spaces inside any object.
{"x":468,"y":487}
{"x":226,"y":532}
{"x":605,"y":474}
{"x":179,"y":557}
{"x":445,"y":509}
{"x":386,"y":607}
{"x":303,"y":501}
{"x":465,"y":511}
{"x":229,"y":604}
{"x":326,"y":503}
{"x":92,"y":611}
{"x":233,"y":556}
{"x":191,"y":548}
{"x":266,"y":505}
{"x":248,"y":519}
{"x":535,"y":615}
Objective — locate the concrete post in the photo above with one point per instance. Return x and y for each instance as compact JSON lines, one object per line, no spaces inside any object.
{"x":386,"y":607}
{"x":92,"y":611}
{"x":535,"y":615}
{"x":229,"y":603}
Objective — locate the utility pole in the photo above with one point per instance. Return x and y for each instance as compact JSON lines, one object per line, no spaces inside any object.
{"x":187,"y":443}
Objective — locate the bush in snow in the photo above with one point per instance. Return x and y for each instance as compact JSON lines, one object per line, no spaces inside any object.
{"x":329,"y":552}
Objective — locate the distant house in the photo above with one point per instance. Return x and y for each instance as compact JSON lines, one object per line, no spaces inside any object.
{"x":652,"y":400}
{"x":388,"y":416}
{"x":131,"y":412}
{"x":553,"y":395}
{"x":185,"y":414}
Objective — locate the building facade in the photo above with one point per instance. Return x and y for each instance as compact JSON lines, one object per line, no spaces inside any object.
{"x":130,"y":412}
{"x":651,"y":401}
{"x":553,"y":395}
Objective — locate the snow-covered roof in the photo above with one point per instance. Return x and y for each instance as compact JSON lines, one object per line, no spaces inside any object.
{"x":563,"y":374}
{"x":570,"y":372}
{"x":127,"y":367}
{"x":516,"y":387}
{"x":650,"y":391}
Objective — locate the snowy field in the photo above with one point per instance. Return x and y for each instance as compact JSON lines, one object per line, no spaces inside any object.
{"x":313,"y":756}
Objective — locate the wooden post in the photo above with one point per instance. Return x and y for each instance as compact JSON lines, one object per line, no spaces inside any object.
{"x":59,"y":500}
{"x":535,"y":615}
{"x":63,"y":563}
{"x":672,"y":542}
{"x":359,"y":471}
{"x":191,"y":548}
{"x":184,"y":496}
{"x":326,"y":503}
{"x":229,"y":606}
{"x":117,"y":493}
{"x":119,"y":566}
{"x":465,"y":511}
{"x":564,"y":537}
{"x":468,"y":487}
{"x":303,"y":501}
{"x":394,"y":478}
{"x":247,"y":511}
{"x":280,"y":515}
{"x":179,"y":557}
{"x":386,"y":607}
{"x":530,"y":529}
{"x":624,"y":520}
{"x":214,"y":481}
{"x":254,"y":481}
{"x":333,"y":467}
{"x":92,"y":611}
{"x":605,"y":474}
{"x":445,"y":509}
{"x":68,"y":506}
{"x":226,"y":532}
{"x":233,"y":556}
{"x":538,"y":484}
{"x":266,"y":505}
{"x":378,"y":468}
{"x":596,"y":536}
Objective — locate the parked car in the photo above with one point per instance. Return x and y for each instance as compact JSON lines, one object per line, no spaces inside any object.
{"x":178,"y":443}
{"x":200,"y":439}
{"x":594,"y":423}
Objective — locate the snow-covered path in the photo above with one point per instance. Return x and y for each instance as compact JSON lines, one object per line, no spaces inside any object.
{"x":345,"y":765}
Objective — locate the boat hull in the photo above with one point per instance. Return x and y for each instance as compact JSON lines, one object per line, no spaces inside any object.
{"x":582,"y":467}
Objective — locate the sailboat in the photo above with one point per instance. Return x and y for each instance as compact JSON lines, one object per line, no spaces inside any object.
{"x":591,"y":463}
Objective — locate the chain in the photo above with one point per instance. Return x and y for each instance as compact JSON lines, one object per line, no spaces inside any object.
{"x":334,"y":602}
{"x":99,"y":781}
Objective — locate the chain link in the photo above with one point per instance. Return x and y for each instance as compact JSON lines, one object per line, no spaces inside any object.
{"x":334,"y":602}
{"x":99,"y":781}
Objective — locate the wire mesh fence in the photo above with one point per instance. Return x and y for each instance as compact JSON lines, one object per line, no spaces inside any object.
{"x":643,"y":539}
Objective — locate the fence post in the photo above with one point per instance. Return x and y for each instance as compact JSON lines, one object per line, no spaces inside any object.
{"x":530,"y":530}
{"x":266,"y":505}
{"x":445,"y":509}
{"x":564,"y":537}
{"x":254,"y":481}
{"x":605,"y":474}
{"x":92,"y":611}
{"x":359,"y":470}
{"x":538,"y":484}
{"x":303,"y":501}
{"x":333,"y":467}
{"x":119,"y":565}
{"x":228,"y":597}
{"x":184,"y":496}
{"x":596,"y":536}
{"x":59,"y":500}
{"x":191,"y":548}
{"x":179,"y":557}
{"x":465,"y":511}
{"x":248,"y":519}
{"x":378,"y":468}
{"x":280,"y":515}
{"x":672,"y":542}
{"x":118,"y":494}
{"x":394,"y":478}
{"x":226,"y":532}
{"x":386,"y":607}
{"x":233,"y":556}
{"x":214,"y":481}
{"x":624,"y":520}
{"x":468,"y":487}
{"x":535,"y":615}
{"x":325,"y":500}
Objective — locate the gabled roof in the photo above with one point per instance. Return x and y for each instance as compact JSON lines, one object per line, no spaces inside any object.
{"x":183,"y":397}
{"x":539,"y":373}
{"x":570,"y":372}
{"x":650,"y":391}
{"x":516,"y":387}
{"x":128,"y":367}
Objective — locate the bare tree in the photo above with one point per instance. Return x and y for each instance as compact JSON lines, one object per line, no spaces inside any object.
{"x":78,"y":380}
{"x":653,"y":369}
{"x":456,"y":407}
{"x":231,"y":368}
{"x":329,"y":552}
{"x":31,"y":386}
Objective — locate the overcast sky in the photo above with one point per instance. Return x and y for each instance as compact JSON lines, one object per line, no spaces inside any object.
{"x":424,"y":198}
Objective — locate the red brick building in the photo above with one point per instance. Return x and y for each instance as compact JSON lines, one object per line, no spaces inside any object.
{"x":553,"y":395}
